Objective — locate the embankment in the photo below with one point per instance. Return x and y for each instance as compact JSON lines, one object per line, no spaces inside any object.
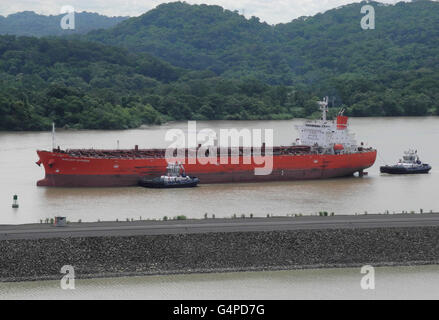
{"x":179,"y":252}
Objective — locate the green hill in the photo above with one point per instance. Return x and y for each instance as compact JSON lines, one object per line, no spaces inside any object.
{"x":28,"y":23}
{"x":391,"y":70}
{"x":89,"y":85}
{"x":215,"y":64}
{"x":304,"y":50}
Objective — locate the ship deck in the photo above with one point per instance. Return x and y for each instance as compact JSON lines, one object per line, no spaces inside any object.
{"x":160,"y":153}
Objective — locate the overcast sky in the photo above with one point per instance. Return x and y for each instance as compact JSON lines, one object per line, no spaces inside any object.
{"x":271,"y":11}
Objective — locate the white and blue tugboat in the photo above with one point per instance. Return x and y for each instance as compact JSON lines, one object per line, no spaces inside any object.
{"x":409,"y":164}
{"x":175,"y":178}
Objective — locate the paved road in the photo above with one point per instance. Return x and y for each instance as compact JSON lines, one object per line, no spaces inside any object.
{"x":39,"y":231}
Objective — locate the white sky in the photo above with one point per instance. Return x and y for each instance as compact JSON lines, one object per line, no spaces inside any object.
{"x":271,"y":11}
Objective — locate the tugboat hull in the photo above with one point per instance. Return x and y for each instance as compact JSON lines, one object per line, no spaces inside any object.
{"x":160,"y":184}
{"x":404,"y":170}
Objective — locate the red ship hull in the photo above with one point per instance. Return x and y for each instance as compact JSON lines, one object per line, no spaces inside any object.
{"x":64,"y":169}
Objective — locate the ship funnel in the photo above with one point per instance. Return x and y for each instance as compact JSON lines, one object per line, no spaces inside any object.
{"x":342,"y":122}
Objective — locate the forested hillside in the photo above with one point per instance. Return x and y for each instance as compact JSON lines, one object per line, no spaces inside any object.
{"x":183,"y":61}
{"x":305,"y":50}
{"x":329,"y":53}
{"x":29,"y":23}
{"x":88,"y":85}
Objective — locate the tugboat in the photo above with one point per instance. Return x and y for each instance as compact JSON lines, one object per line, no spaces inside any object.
{"x":175,"y":178}
{"x":410,"y":164}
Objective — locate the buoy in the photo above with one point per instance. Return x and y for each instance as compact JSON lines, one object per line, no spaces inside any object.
{"x":15,"y":202}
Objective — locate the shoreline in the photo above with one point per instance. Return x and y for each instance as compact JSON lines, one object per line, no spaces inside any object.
{"x":216,"y":271}
{"x":172,"y":122}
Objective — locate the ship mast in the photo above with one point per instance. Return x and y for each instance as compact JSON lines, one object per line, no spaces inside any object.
{"x":324,"y":107}
{"x":53,"y":135}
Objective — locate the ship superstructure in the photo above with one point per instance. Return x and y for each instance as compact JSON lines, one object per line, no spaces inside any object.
{"x":327,"y":135}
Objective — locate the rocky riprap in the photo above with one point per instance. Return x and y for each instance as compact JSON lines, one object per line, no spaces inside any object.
{"x":217,"y":252}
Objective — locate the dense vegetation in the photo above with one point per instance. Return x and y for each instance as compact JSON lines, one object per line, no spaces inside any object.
{"x":215,"y":64}
{"x":28,"y":23}
{"x":321,"y":52}
{"x":305,"y":50}
{"x":89,"y":85}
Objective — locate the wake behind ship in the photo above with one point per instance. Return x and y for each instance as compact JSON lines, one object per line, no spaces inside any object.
{"x":325,"y":149}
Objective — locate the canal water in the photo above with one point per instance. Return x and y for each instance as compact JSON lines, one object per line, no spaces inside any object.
{"x":373,"y":193}
{"x":420,"y":282}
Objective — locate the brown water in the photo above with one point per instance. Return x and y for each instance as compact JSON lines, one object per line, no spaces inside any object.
{"x":390,"y":283}
{"x":374,"y":193}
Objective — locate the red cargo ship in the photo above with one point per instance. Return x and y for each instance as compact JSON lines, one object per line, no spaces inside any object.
{"x":325,"y":149}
